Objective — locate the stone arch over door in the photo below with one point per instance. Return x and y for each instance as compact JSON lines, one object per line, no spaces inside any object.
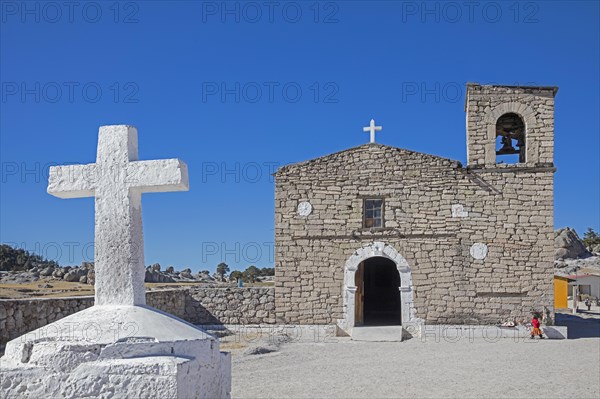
{"x":377,"y":249}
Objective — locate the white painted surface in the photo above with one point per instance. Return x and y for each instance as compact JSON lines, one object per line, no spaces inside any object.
{"x":119,"y":347}
{"x":479,"y":250}
{"x":592,"y":281}
{"x":458,"y":211}
{"x":372,"y":129}
{"x":117,"y":181}
{"x":107,"y":324}
{"x":150,"y":351}
{"x":304,"y":208}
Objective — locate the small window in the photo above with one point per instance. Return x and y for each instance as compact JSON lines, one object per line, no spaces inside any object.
{"x":373,"y":213}
{"x":585,"y":289}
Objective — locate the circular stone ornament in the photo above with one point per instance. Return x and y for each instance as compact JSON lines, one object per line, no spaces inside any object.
{"x":304,"y":208}
{"x":479,"y":250}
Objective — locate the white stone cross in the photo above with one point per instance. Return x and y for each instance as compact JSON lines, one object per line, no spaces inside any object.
{"x":117,"y":181}
{"x":372,"y":128}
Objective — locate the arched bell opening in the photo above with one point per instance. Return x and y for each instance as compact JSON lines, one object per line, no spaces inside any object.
{"x":510,"y":139}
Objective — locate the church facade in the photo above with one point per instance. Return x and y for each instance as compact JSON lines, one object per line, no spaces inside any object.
{"x":381,"y":235}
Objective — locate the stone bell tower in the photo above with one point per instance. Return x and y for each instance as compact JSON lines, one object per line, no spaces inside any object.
{"x":510,"y":125}
{"x":510,"y":152}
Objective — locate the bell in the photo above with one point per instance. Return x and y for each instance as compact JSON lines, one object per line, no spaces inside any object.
{"x":507,"y":147}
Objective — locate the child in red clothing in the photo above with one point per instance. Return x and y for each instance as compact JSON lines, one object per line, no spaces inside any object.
{"x":536,"y":327}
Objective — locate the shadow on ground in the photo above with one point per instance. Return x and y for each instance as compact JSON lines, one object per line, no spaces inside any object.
{"x":579,"y":327}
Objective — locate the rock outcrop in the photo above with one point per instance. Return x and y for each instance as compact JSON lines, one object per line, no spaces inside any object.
{"x":567,"y":245}
{"x":86,"y":274}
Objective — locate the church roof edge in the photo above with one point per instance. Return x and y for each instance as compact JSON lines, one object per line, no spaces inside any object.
{"x":366,"y":145}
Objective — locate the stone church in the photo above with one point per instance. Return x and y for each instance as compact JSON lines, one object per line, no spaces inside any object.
{"x":379,"y":235}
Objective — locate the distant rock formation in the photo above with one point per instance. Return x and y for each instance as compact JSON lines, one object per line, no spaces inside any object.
{"x":17,"y":259}
{"x":86,"y":274}
{"x":568,"y":245}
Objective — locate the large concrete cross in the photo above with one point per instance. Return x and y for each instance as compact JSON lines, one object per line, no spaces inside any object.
{"x":117,"y":181}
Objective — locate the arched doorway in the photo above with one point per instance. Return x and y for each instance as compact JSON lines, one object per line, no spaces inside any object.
{"x":377,"y":292}
{"x":376,"y":249}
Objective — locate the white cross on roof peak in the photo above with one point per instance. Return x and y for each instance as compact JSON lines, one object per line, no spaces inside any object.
{"x":372,"y":129}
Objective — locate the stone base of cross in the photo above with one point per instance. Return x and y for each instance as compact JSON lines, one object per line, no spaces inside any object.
{"x":117,"y":181}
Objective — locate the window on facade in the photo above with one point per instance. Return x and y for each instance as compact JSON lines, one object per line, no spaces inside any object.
{"x":510,"y":139}
{"x":585,"y":289}
{"x":373,"y":213}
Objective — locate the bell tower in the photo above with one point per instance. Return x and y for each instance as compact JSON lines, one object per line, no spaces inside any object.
{"x":510,"y":125}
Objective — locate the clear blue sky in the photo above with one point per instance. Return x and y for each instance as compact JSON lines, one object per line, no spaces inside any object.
{"x":307,"y":77}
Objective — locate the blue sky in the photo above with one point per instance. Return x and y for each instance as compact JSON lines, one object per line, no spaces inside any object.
{"x":236,"y":91}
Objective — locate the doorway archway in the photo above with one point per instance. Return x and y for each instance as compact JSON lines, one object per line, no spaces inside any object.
{"x":376,"y":249}
{"x":377,"y":293}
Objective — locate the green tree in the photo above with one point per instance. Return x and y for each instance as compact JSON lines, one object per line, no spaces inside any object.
{"x":236,"y":275}
{"x":222,"y":270}
{"x":251,"y":273}
{"x":591,"y":238}
{"x":267,"y":271}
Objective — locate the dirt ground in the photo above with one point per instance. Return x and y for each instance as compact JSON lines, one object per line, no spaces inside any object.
{"x":48,"y":288}
{"x":427,"y":369}
{"x":44,"y":288}
{"x":413,"y":369}
{"x":52,"y":288}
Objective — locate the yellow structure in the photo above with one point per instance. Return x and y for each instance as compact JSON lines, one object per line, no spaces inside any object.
{"x":561,"y":291}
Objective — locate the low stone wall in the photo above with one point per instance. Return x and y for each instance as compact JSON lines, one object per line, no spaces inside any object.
{"x":198,"y":305}
{"x":19,"y":316}
{"x":252,"y":305}
{"x":171,"y":301}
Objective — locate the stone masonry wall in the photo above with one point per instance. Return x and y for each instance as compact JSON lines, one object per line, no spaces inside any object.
{"x":197,"y":305}
{"x":509,"y":208}
{"x":485,"y":104}
{"x":170,"y":301}
{"x":252,"y":305}
{"x":20,"y":316}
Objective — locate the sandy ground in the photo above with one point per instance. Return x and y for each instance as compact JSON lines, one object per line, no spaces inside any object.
{"x":349,"y":369}
{"x":44,"y":288}
{"x":416,"y":369}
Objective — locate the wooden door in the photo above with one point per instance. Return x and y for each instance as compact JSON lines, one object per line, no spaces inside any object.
{"x":359,"y":296}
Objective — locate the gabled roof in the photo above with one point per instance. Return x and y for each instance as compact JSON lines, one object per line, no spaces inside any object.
{"x":401,"y":153}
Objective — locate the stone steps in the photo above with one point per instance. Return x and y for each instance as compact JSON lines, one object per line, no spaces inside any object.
{"x":377,"y":333}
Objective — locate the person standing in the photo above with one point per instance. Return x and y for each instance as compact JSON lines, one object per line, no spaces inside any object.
{"x":535,"y":322}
